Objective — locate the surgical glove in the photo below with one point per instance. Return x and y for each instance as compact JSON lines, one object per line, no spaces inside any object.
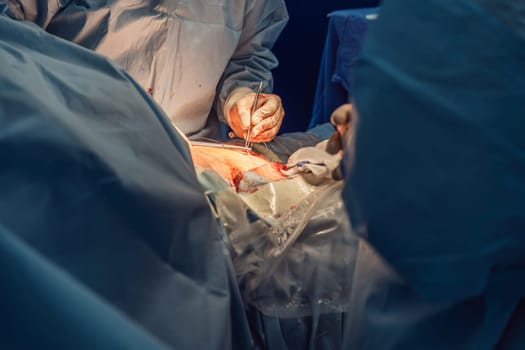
{"x":343,"y":119}
{"x":342,"y":115}
{"x":266,"y":119}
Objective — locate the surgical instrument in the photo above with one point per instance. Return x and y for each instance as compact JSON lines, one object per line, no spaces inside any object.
{"x":254,"y":107}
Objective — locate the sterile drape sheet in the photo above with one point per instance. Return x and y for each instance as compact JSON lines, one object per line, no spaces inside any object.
{"x":106,"y":237}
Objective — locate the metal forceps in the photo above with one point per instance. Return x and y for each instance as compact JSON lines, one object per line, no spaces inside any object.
{"x":247,"y":142}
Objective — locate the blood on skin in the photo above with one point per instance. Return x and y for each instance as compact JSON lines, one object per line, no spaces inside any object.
{"x":231,"y":165}
{"x":280,"y":166}
{"x":237,"y":176}
{"x":276,"y":165}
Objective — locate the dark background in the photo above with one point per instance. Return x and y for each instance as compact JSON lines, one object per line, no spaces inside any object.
{"x":299,"y":50}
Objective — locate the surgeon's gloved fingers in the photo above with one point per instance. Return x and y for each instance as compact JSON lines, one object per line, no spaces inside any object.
{"x":267,"y":135}
{"x":342,"y":114}
{"x":244,"y":108}
{"x":268,"y":122}
{"x":272,"y":122}
{"x":238,"y":116}
{"x":268,"y":105}
{"x":267,"y":119}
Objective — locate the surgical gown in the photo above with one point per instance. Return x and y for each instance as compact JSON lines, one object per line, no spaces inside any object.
{"x":437,"y":188}
{"x":189,"y":55}
{"x":106,"y":238}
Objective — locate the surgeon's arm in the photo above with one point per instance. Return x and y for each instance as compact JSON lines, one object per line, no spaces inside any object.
{"x":252,"y":62}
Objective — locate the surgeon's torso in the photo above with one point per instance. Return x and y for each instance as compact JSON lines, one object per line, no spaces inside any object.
{"x":176,"y":49}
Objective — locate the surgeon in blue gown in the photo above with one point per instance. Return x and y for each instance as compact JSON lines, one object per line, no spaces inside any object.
{"x":200,"y":60}
{"x":437,"y":187}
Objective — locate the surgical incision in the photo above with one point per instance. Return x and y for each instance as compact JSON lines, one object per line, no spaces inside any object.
{"x":243,"y":170}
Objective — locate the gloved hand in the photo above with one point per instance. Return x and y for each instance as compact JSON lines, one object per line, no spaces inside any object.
{"x":266,"y":120}
{"x":342,"y":115}
{"x":323,"y":161}
{"x":343,"y":118}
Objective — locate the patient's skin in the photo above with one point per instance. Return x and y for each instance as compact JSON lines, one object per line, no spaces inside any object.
{"x":230,"y":163}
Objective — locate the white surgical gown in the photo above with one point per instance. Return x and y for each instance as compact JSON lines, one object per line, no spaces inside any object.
{"x":183,"y":52}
